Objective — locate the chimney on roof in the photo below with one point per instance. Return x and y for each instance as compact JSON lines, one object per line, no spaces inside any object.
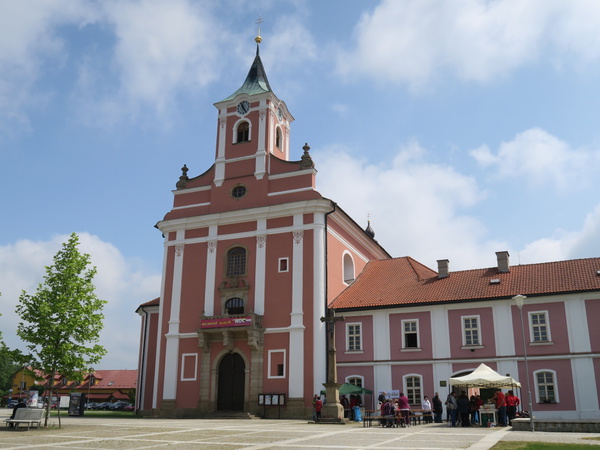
{"x":443,"y":268}
{"x":503,"y":262}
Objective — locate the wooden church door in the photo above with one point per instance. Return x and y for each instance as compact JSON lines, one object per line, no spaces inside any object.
{"x":232,"y":380}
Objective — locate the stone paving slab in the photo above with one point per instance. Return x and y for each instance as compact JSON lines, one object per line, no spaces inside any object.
{"x":136,"y":433}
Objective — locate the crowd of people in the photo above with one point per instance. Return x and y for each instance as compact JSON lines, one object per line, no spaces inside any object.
{"x":461,"y":410}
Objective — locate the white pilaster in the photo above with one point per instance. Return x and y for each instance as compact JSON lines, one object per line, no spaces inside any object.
{"x":220,"y":159}
{"x":296,"y":386}
{"x":172,"y":337}
{"x":381,"y":327}
{"x":440,"y":333}
{"x":261,"y":266}
{"x":585,"y":386}
{"x":161,"y":314}
{"x":261,"y":157}
{"x":211,"y":265}
{"x":319,"y":304}
{"x":504,"y":334}
{"x":577,"y":325}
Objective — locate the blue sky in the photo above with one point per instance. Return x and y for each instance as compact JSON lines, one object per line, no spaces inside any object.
{"x":461,"y":127}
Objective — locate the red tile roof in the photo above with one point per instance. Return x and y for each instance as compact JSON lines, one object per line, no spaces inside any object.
{"x":115,"y":379}
{"x":404,"y":281}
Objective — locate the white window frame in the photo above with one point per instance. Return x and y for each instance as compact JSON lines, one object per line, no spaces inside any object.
{"x":287,"y":265}
{"x":235,"y":130}
{"x":360,"y":336}
{"x":531,"y":326}
{"x":349,"y":379}
{"x":554,"y":382}
{"x":404,"y":347}
{"x":347,"y":277}
{"x":184,"y":357}
{"x":269,"y":361}
{"x":406,"y":388}
{"x":464,"y":332}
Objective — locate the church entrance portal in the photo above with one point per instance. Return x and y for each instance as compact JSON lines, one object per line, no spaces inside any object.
{"x":232,"y":380}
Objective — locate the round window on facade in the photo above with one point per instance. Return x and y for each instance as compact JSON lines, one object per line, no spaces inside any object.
{"x":238,"y":191}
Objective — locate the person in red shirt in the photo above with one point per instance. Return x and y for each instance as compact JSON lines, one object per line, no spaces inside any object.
{"x":318,"y":408}
{"x":512,"y":401}
{"x":500,"y":402}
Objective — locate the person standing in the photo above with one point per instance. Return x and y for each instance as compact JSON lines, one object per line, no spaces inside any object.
{"x":500,"y":402}
{"x":512,"y":402}
{"x":318,"y":407}
{"x":438,"y":409}
{"x":404,"y":407}
{"x":464,"y":408}
{"x":426,"y":408}
{"x":451,"y":407}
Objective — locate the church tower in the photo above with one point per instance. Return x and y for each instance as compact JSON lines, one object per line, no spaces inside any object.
{"x":252,"y":256}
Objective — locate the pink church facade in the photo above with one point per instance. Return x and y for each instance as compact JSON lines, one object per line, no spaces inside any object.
{"x":254,"y":256}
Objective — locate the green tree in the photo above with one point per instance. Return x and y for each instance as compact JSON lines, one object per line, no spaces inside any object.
{"x":61,"y":322}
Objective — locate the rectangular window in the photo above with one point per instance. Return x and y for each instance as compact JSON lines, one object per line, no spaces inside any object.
{"x":189,"y":366}
{"x":546,"y":387}
{"x":413,"y":390}
{"x":538,"y":322}
{"x":283,"y":264}
{"x":276,"y":363}
{"x":410,"y":329}
{"x":353,"y":342}
{"x":471,"y":331}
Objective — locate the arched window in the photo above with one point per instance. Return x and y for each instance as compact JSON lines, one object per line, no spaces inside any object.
{"x":236,"y":262}
{"x":234,"y":305}
{"x":278,"y":138}
{"x":355,"y":380}
{"x":348,"y":269}
{"x":243,"y":132}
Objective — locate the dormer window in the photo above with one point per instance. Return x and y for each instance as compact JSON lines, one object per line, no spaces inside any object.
{"x":243,"y":132}
{"x":278,"y":138}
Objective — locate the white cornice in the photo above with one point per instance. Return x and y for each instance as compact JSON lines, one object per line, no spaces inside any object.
{"x":245,"y":215}
{"x":190,"y":190}
{"x":292,"y":174}
{"x":291,"y":191}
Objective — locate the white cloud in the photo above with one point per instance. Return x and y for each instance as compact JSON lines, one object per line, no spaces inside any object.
{"x":416,"y":41}
{"x":119,"y":281}
{"x":584,"y":243}
{"x":417,"y":208}
{"x":540,"y":159}
{"x":29,"y":39}
{"x":161,"y":50}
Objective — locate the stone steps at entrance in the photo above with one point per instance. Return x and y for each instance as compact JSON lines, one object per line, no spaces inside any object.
{"x":228,"y":415}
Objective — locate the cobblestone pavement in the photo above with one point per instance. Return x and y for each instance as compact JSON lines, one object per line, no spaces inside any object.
{"x":105,"y":433}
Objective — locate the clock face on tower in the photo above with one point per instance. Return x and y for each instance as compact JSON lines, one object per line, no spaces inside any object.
{"x":243,"y":107}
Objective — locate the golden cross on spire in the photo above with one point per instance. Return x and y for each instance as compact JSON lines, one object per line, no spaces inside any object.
{"x":258,"y":39}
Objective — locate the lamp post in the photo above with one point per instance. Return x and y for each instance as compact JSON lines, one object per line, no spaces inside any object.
{"x":519,"y":300}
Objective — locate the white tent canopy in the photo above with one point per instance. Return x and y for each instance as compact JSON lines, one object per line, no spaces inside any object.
{"x":484,"y":377}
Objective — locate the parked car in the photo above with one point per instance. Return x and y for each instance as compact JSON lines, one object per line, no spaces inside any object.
{"x":119,"y":405}
{"x":129,"y":407}
{"x":91,"y":405}
{"x":12,"y":403}
{"x":103,"y":405}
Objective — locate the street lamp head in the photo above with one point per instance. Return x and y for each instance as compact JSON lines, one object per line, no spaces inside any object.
{"x":519,"y":300}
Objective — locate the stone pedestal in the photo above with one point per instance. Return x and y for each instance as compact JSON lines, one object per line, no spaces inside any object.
{"x":333,"y":411}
